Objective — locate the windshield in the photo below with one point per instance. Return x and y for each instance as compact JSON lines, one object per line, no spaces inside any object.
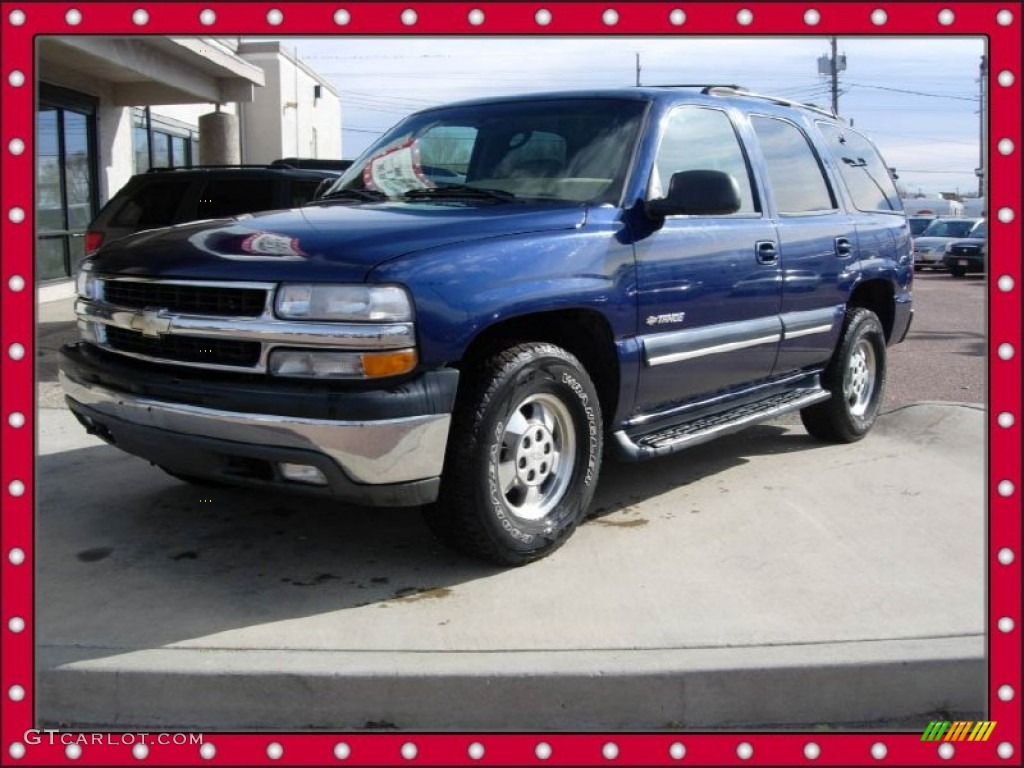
{"x":568,"y":149}
{"x":980,"y":230}
{"x":949,"y":228}
{"x":917,"y":226}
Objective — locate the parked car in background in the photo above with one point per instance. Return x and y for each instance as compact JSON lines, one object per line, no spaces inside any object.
{"x":165,"y":196}
{"x":919,"y":224}
{"x":930,"y":245}
{"x":968,"y":255}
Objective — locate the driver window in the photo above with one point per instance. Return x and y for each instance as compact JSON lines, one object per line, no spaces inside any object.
{"x":697,"y":139}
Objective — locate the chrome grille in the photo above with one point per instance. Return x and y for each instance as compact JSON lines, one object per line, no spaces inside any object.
{"x":186,"y":349}
{"x":212,"y":300}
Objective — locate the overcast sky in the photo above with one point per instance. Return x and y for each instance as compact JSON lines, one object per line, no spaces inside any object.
{"x":917,"y":98}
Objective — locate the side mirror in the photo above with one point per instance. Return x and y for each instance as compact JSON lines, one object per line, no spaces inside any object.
{"x":697,"y":193}
{"x":323,"y":187}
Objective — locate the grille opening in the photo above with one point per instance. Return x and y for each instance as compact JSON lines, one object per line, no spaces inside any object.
{"x":190,"y":299}
{"x":186,"y":349}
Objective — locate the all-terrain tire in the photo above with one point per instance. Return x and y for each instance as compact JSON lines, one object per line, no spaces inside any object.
{"x":523,"y":458}
{"x":855,"y":376}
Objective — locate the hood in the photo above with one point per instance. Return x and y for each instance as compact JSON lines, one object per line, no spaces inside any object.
{"x":325,"y":242}
{"x":933,"y":242}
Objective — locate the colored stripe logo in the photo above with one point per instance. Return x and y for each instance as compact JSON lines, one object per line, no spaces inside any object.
{"x":958,"y":730}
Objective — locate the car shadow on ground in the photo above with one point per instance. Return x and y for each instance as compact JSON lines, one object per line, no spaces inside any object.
{"x":113,"y":532}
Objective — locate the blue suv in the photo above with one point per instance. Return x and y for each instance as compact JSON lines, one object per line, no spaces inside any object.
{"x":499,"y":292}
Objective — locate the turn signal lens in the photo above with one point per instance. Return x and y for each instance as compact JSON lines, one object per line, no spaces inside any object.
{"x":381,"y":364}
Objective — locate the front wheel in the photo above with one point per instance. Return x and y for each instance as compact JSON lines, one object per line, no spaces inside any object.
{"x":957,"y":271}
{"x":523,"y":456}
{"x":856,"y":379}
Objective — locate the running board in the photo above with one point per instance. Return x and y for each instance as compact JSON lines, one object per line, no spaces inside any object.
{"x":640,"y":446}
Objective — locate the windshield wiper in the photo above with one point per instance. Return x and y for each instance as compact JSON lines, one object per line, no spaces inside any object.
{"x":352,"y":194}
{"x":459,"y":191}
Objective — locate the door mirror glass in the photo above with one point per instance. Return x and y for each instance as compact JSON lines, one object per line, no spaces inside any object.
{"x":697,"y":193}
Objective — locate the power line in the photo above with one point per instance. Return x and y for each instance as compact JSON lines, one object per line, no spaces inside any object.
{"x":915,"y":93}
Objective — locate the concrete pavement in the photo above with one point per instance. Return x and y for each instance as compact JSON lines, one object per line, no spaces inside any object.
{"x":764,"y":578}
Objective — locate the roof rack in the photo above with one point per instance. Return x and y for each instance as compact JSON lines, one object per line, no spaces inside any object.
{"x":313,"y":163}
{"x":705,"y":87}
{"x":735,"y":90}
{"x":166,"y":169}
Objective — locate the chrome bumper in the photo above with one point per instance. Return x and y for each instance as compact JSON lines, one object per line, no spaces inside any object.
{"x":389,"y":451}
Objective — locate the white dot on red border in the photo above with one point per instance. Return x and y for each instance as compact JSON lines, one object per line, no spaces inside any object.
{"x":16,"y":624}
{"x":16,"y":351}
{"x":16,"y":556}
{"x":16,"y":420}
{"x":542,"y":17}
{"x":1005,"y":215}
{"x":207,"y":17}
{"x":1005,"y":624}
{"x":1005,"y":693}
{"x":274,"y":750}
{"x":476,"y":750}
{"x":16,"y":215}
{"x":16,"y":693}
{"x":1005,"y":750}
{"x":1005,"y":351}
{"x":16,"y":488}
{"x":879,"y":750}
{"x":476,"y":17}
{"x":16,"y":146}
{"x":342,"y":17}
{"x":812,"y":751}
{"x":1004,"y":18}
{"x":16,"y":17}
{"x":879,"y":17}
{"x":17,"y":283}
{"x":1005,"y":556}
{"x":207,"y":751}
{"x":274,"y":17}
{"x":946,"y":750}
{"x":610,"y":17}
{"x":542,"y":751}
{"x":342,"y":750}
{"x":1005,"y":146}
{"x":1005,"y":78}
{"x":744,"y":16}
{"x":140,"y":17}
{"x":140,"y":751}
{"x":1005,"y":283}
{"x":1005,"y":488}
{"x":744,"y":750}
{"x":409,"y":17}
{"x":72,"y":751}
{"x":812,"y":17}
{"x":610,"y":751}
{"x":677,"y":751}
{"x":16,"y":78}
{"x":946,"y":17}
{"x":409,"y":751}
{"x":73,"y":17}
{"x":16,"y":750}
{"x":677,"y":17}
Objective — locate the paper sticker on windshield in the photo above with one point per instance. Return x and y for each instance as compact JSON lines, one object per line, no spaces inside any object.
{"x":395,"y":171}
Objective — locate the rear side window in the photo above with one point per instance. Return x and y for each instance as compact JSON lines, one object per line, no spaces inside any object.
{"x":793,"y":168}
{"x":229,"y":197}
{"x":699,"y":139}
{"x":151,"y":206}
{"x":865,"y":175}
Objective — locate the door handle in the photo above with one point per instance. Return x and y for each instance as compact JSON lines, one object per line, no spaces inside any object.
{"x":843,"y":247}
{"x":765,"y":252}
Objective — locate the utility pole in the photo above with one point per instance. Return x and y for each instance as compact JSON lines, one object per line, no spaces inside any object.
{"x":638,"y":69}
{"x":835,"y":78}
{"x":831,"y":66}
{"x":982,"y":76}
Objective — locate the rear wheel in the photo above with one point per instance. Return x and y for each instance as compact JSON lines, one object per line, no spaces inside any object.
{"x":856,"y":378}
{"x":523,"y":456}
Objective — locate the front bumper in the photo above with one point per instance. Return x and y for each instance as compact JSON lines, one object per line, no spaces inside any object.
{"x":387,"y":449}
{"x":969,"y":263}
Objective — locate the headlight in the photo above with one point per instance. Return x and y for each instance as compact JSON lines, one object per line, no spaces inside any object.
{"x":86,"y":285}
{"x":372,"y":303}
{"x":309,"y":364}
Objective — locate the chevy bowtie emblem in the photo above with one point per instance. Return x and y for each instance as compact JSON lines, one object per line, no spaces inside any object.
{"x":151,"y":322}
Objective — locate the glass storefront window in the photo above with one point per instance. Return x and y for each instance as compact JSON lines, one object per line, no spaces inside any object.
{"x":161,"y":150}
{"x":140,"y":140}
{"x":179,"y":152}
{"x":78,"y":176}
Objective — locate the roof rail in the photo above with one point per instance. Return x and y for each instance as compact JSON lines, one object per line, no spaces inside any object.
{"x":312,"y":163}
{"x":733,"y":90}
{"x":705,"y":87}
